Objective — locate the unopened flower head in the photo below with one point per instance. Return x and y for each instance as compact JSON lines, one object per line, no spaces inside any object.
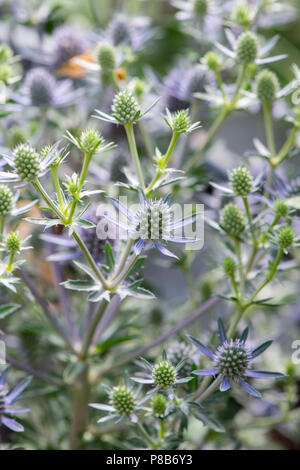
{"x":232,"y":359}
{"x":241,"y":181}
{"x":6,"y":200}
{"x":123,"y":400}
{"x":164,"y":374}
{"x":232,"y":219}
{"x":229,"y":266}
{"x":242,"y":15}
{"x":16,"y":136}
{"x":125,"y":107}
{"x":178,"y":351}
{"x":280,"y":208}
{"x":106,"y":57}
{"x":247,"y":48}
{"x":266,"y":85}
{"x":27,"y":162}
{"x":285,"y":237}
{"x":40,"y":85}
{"x":13,"y":242}
{"x":181,"y":121}
{"x":201,"y":7}
{"x":212,"y":61}
{"x":90,"y":140}
{"x":152,"y":222}
{"x":120,"y":31}
{"x":159,"y":404}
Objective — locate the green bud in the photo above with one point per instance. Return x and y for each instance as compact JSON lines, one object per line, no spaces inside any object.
{"x":13,"y":242}
{"x":229,"y":266}
{"x":5,"y":73}
{"x":232,"y":219}
{"x":212,"y":61}
{"x":181,"y":121}
{"x":266,"y":86}
{"x":159,"y":404}
{"x":16,"y":136}
{"x":90,"y":140}
{"x":123,"y":400}
{"x":106,"y":57}
{"x":241,"y":181}
{"x":206,"y":289}
{"x":5,"y":53}
{"x":242,"y":16}
{"x":139,"y":88}
{"x":164,"y":374}
{"x":72,"y":185}
{"x":201,"y":7}
{"x":280,"y":209}
{"x":27,"y":162}
{"x":247,"y":48}
{"x":6,"y":200}
{"x":125,"y":107}
{"x":285,"y":237}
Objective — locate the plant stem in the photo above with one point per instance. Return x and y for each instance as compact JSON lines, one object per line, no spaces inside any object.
{"x":148,"y":438}
{"x":125,"y":254}
{"x":162,"y":428}
{"x":241,"y":271}
{"x":54,"y":170}
{"x":146,"y":139}
{"x":92,"y":329}
{"x":275,"y":161}
{"x":164,"y":163}
{"x":84,"y":170}
{"x":37,"y":185}
{"x":79,"y":419}
{"x":134,"y":153}
{"x":249,"y":217}
{"x":269,"y":128}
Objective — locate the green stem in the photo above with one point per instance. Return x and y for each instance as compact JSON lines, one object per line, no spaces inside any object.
{"x":2,"y":225}
{"x":162,"y":428}
{"x":84,"y":170}
{"x":92,"y":329}
{"x":148,"y":438}
{"x":164,"y":162}
{"x":79,"y":417}
{"x":10,"y":261}
{"x":249,"y":217}
{"x":239,"y":84}
{"x":123,"y":274}
{"x":124,"y":256}
{"x":146,"y":139}
{"x":269,"y":128}
{"x":275,"y":161}
{"x":134,"y":153}
{"x":54,"y":171}
{"x":37,"y":185}
{"x":237,"y":246}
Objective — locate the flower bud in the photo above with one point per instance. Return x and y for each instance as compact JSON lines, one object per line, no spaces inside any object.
{"x":280,"y":209}
{"x":159,"y":404}
{"x":241,"y":181}
{"x":125,"y":107}
{"x":201,"y":7}
{"x":285,"y":237}
{"x":232,"y":219}
{"x":27,"y":162}
{"x":6,"y":200}
{"x":123,"y":400}
{"x":247,"y":48}
{"x":13,"y":242}
{"x":229,"y":266}
{"x":16,"y":136}
{"x":164,"y":374}
{"x":106,"y":57}
{"x":212,"y":61}
{"x":242,"y":16}
{"x":5,"y":73}
{"x":178,"y":351}
{"x":266,"y":86}
{"x":181,"y":121}
{"x":90,"y":140}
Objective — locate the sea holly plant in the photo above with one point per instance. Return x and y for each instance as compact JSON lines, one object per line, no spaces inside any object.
{"x":92,"y":170}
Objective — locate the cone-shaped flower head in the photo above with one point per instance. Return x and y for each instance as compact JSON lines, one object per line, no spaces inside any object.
{"x":106,"y":57}
{"x":241,"y":181}
{"x":13,"y":242}
{"x":266,"y":85}
{"x":123,"y":400}
{"x":200,"y":7}
{"x":232,"y":359}
{"x":247,"y":48}
{"x":40,"y":85}
{"x":212,"y":61}
{"x":164,"y":374}
{"x":153,"y":221}
{"x":6,"y":200}
{"x":27,"y":162}
{"x":159,"y":404}
{"x":181,"y":121}
{"x":232,"y":219}
{"x":285,"y":237}
{"x":125,"y":107}
{"x":120,"y":31}
{"x":281,"y":209}
{"x":229,"y":266}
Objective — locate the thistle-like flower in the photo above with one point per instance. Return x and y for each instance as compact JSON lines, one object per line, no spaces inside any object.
{"x":124,"y":404}
{"x":241,"y":181}
{"x":127,"y":31}
{"x":247,"y":48}
{"x":90,"y":142}
{"x":152,"y":224}
{"x":8,"y":399}
{"x":125,"y":109}
{"x":179,"y":350}
{"x":266,"y":86}
{"x":6,"y":200}
{"x":69,"y":42}
{"x":232,"y":219}
{"x":159,"y":405}
{"x":229,"y":266}
{"x":13,"y":242}
{"x":232,"y":361}
{"x":42,"y":90}
{"x":180,"y":123}
{"x":163,"y":375}
{"x":285,"y":237}
{"x":27,"y":163}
